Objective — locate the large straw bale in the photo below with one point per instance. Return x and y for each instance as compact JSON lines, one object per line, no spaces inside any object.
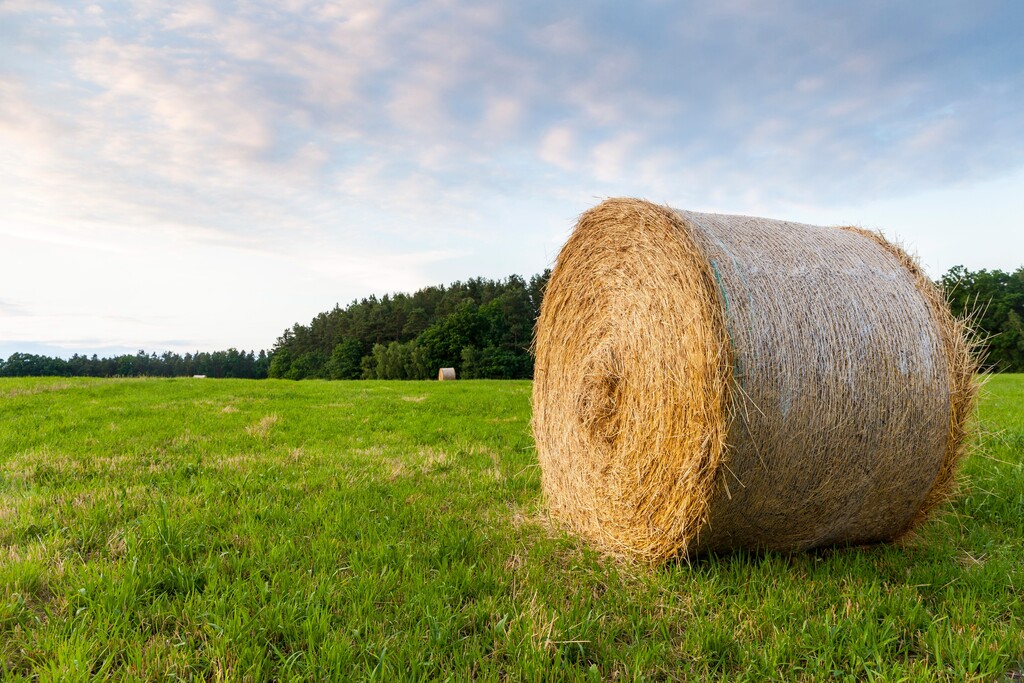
{"x":446,"y":374}
{"x":707,"y":382}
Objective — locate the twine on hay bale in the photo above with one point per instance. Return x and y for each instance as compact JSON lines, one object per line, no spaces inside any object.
{"x":446,"y":374}
{"x":707,"y":382}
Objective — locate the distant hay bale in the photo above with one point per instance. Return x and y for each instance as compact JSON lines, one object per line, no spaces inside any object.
{"x":446,"y":374}
{"x":707,"y":382}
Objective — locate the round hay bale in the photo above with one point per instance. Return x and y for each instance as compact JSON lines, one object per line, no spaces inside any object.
{"x":707,"y":382}
{"x":446,"y":374}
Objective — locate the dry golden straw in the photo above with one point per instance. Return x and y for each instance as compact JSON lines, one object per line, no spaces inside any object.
{"x":707,"y":382}
{"x":446,"y":374}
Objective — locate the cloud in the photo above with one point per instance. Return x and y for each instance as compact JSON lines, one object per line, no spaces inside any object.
{"x":557,"y":147}
{"x":610,"y":157}
{"x":224,"y":99}
{"x":189,"y":15}
{"x":400,"y":142}
{"x":169,"y":116}
{"x":12,"y":309}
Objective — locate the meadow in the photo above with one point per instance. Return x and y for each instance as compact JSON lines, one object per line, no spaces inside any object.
{"x":256,"y":530}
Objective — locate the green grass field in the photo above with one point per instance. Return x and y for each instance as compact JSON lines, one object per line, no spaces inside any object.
{"x":244,"y":530}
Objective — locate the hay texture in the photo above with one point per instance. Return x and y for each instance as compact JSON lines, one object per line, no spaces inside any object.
{"x":446,"y":374}
{"x":707,"y":382}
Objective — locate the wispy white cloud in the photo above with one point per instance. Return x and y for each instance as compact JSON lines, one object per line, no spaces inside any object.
{"x":12,"y":309}
{"x":557,"y":147}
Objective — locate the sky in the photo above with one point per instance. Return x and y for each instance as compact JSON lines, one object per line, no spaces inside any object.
{"x":202,"y":175}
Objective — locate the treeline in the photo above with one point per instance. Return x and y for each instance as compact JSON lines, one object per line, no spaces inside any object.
{"x":993,"y":300}
{"x":230,"y":363}
{"x":482,"y":328}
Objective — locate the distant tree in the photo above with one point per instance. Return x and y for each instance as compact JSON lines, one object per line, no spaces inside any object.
{"x":445,"y":339}
{"x":32,"y":365}
{"x":993,"y":302}
{"x":309,"y":365}
{"x":397,"y":360}
{"x":345,"y":359}
{"x":493,"y":362}
{"x":416,"y":322}
{"x":481,"y":327}
{"x":538,"y":283}
{"x":229,"y":363}
{"x":494,"y":319}
{"x":261,"y":368}
{"x":280,"y":363}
